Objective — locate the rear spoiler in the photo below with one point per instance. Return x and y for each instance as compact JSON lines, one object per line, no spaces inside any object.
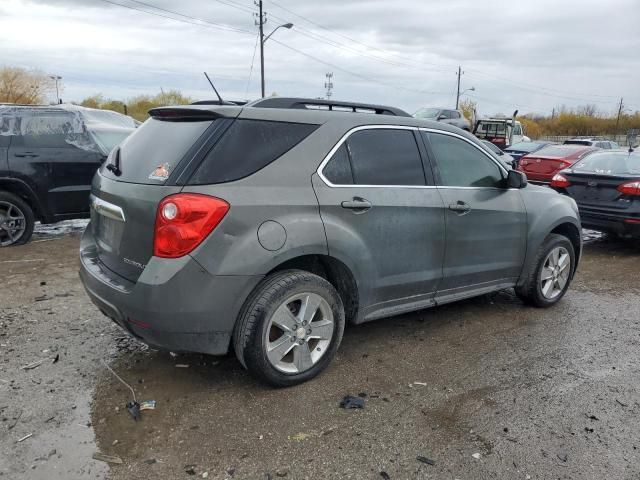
{"x":183,"y":114}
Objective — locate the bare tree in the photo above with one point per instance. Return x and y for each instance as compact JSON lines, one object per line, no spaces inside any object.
{"x":18,"y":85}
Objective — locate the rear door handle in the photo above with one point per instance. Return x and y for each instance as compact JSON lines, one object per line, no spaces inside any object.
{"x":357,"y":205}
{"x":28,"y":154}
{"x":460,"y":207}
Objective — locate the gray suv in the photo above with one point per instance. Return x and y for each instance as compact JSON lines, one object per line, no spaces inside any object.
{"x":444,"y":115}
{"x":267,"y":229}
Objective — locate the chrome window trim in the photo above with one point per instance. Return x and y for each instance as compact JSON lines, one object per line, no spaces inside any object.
{"x":333,"y":150}
{"x":107,"y":209}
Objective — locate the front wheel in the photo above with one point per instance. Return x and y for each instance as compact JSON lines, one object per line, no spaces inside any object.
{"x":289,"y":328}
{"x":551,"y":274}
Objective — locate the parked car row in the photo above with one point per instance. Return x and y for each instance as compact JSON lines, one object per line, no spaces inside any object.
{"x":48,"y":157}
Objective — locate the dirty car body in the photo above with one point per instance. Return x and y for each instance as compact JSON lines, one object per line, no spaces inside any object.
{"x":272,"y":227}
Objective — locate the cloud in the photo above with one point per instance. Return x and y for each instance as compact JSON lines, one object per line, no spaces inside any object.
{"x":527,"y":55}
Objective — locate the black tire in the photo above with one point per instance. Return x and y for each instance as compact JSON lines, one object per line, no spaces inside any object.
{"x":531,"y":291}
{"x":254,"y":319}
{"x":26,"y":211}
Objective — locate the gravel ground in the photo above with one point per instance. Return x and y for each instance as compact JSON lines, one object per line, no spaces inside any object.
{"x":486,"y":388}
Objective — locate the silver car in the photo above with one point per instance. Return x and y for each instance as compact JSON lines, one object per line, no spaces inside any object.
{"x":269,"y":228}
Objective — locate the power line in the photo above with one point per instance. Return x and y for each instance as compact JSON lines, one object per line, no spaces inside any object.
{"x":191,"y":20}
{"x":253,"y":58}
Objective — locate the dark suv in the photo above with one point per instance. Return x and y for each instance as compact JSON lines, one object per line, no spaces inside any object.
{"x":48,"y":156}
{"x":269,"y":228}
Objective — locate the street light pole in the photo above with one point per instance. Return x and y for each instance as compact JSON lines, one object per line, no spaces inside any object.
{"x":56,"y":78}
{"x":262,"y":19}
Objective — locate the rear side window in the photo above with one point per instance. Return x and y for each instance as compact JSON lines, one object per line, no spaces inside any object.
{"x":385,"y":157}
{"x":151,"y":153}
{"x":248,"y":146}
{"x":461,"y":164}
{"x":338,"y":169}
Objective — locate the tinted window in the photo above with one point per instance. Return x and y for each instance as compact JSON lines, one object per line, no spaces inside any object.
{"x":248,"y":146}
{"x":611,"y":163}
{"x":385,"y":157}
{"x":463,"y":165}
{"x":50,"y":130}
{"x":156,"y":146}
{"x":338,"y":169}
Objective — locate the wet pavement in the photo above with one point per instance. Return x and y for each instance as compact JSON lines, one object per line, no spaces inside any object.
{"x":486,"y":388}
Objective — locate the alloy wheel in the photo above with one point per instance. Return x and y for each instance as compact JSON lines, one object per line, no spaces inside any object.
{"x":12,"y":223}
{"x":299,"y":333}
{"x":555,"y":272}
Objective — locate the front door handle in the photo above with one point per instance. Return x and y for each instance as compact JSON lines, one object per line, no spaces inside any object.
{"x":460,"y":208}
{"x":28,"y":154}
{"x":357,"y":205}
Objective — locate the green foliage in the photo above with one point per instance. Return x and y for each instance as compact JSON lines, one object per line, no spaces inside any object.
{"x":468,"y":107}
{"x":139,"y":106}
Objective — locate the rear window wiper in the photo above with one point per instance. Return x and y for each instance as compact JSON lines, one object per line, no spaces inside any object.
{"x":115,"y":167}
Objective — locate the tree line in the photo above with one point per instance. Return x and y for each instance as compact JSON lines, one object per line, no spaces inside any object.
{"x":32,"y":87}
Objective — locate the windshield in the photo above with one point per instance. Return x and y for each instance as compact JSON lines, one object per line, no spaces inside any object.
{"x":427,"y":113}
{"x":107,"y":140}
{"x":525,"y":146}
{"x":619,"y":163}
{"x":492,"y":128}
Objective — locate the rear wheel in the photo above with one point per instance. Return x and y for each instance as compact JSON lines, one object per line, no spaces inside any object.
{"x":551,"y":274}
{"x":290,"y":328}
{"x":16,"y":220}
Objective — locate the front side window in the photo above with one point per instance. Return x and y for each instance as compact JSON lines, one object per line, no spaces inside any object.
{"x":461,"y":164}
{"x":385,"y":157}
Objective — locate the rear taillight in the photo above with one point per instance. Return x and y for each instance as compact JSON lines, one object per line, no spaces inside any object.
{"x":560,"y":181}
{"x":183,"y":221}
{"x":631,"y":188}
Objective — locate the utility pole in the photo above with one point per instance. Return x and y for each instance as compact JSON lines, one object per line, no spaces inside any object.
{"x":458,"y":91}
{"x":56,"y":78}
{"x":329,"y":84}
{"x":261,"y":20}
{"x":620,"y":108}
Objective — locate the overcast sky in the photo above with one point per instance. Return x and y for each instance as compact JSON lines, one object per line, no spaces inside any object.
{"x":524,"y":54}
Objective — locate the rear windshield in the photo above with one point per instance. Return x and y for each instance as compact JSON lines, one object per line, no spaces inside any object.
{"x":577,"y":142}
{"x":610,"y":164}
{"x":558,"y":151}
{"x":152,"y":152}
{"x":524,"y":147}
{"x":248,"y":146}
{"x":492,"y":128}
{"x":427,"y":113}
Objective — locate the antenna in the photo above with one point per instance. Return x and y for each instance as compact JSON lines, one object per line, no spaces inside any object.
{"x":214,"y":88}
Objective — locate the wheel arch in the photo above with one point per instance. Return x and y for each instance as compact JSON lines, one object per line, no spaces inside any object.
{"x":569,"y":230}
{"x":334,"y":271}
{"x":22,"y":190}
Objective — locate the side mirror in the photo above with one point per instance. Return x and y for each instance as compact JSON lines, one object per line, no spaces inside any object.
{"x":516,"y":179}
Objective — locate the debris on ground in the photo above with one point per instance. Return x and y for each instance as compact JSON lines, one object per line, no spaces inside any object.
{"x":588,"y":430}
{"x":350,"y":401}
{"x":563,"y":457}
{"x":426,"y":460}
{"x":300,"y":436}
{"x":182,"y":365}
{"x":148,"y":405}
{"x":29,"y":435}
{"x":620,"y":403}
{"x":56,"y":358}
{"x":33,"y":365}
{"x":205,"y":474}
{"x":150,"y":461}
{"x":422,"y":384}
{"x":106,"y":458}
{"x":592,"y":417}
{"x":282,"y":473}
{"x":134,"y":409}
{"x":477,"y":456}
{"x":190,"y":469}
{"x":385,"y":475}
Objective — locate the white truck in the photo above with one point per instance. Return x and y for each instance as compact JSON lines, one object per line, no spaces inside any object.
{"x":501,"y":131}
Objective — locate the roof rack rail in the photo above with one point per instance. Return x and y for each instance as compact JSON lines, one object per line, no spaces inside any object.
{"x":322,"y":104}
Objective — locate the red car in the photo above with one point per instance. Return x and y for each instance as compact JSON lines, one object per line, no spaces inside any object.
{"x":542,"y":165}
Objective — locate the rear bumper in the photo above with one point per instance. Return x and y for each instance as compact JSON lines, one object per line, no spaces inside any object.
{"x":175,"y":304}
{"x":610,"y":222}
